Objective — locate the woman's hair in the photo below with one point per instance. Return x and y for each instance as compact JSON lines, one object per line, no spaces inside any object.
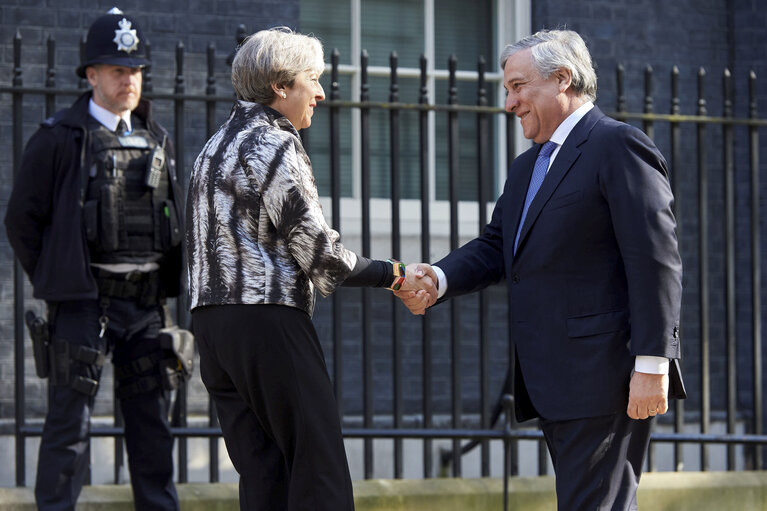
{"x":273,"y":56}
{"x":556,"y":49}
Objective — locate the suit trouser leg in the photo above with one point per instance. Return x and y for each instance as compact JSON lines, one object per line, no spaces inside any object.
{"x":64,"y":455}
{"x":598,"y":461}
{"x":265,"y":370}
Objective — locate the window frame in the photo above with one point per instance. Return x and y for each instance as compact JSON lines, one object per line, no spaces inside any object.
{"x":512,"y":21}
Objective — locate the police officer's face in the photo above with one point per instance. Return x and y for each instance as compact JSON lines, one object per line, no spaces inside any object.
{"x":300,"y":99}
{"x":116,"y":88}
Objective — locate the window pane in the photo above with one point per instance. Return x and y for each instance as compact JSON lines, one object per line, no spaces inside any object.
{"x":380,"y":139}
{"x":317,"y":140}
{"x":393,"y":25}
{"x":398,"y":25}
{"x":464,"y":29}
{"x":467,"y":143}
{"x":329,"y":21}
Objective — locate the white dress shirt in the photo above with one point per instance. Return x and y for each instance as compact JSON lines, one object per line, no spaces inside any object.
{"x":107,"y":118}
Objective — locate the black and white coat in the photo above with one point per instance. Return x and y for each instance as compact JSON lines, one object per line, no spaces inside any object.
{"x":255,"y":230}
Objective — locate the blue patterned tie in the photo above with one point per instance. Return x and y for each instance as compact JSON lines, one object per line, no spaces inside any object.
{"x":539,"y":172}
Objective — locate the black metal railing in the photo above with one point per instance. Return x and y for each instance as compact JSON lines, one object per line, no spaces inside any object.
{"x":695,"y":154}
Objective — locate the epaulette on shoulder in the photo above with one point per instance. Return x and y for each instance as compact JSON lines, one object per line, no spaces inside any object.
{"x":54,"y":119}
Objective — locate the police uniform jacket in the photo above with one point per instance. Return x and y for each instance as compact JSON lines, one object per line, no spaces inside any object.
{"x":44,"y":216}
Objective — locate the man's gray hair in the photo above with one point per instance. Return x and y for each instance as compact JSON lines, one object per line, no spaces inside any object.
{"x":556,"y":49}
{"x":273,"y":56}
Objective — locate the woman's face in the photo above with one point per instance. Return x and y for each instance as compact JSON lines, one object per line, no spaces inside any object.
{"x":300,"y":99}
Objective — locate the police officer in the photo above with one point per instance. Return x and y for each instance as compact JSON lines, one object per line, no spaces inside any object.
{"x":94,"y":220}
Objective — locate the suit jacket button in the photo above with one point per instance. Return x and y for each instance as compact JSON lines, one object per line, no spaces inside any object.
{"x":515,"y":278}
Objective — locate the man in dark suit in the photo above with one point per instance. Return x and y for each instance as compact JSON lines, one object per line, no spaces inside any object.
{"x":584,"y":236}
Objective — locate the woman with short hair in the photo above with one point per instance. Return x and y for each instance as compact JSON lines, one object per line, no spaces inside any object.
{"x":258,"y":245}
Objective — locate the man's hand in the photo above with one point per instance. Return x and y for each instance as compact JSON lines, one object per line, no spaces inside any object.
{"x":420,"y":288}
{"x":648,"y":395}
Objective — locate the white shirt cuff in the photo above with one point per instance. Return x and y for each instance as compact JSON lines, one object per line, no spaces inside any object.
{"x":651,"y":365}
{"x":442,"y":281}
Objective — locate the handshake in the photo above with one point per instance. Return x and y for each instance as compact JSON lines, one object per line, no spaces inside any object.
{"x":419,"y":290}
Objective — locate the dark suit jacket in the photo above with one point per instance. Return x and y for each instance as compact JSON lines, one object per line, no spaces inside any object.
{"x":596,"y":279}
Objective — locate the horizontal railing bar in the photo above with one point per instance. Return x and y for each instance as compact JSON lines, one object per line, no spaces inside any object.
{"x":537,"y":434}
{"x":412,"y":72}
{"x":671,"y":118}
{"x":328,"y":103}
{"x":383,"y":105}
{"x":40,"y":90}
{"x":115,"y":431}
{"x":348,"y":433}
{"x":695,"y":119}
{"x":147,"y":95}
{"x":709,"y":438}
{"x":414,"y":433}
{"x":466,"y":434}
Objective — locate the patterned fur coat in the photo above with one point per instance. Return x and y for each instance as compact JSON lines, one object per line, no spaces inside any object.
{"x":255,"y":231}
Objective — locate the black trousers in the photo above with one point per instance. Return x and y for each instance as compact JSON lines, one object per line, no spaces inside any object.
{"x":64,"y":448}
{"x":597,"y":461}
{"x":264,"y":368}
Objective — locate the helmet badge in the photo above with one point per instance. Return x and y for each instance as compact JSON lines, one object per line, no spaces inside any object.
{"x":126,"y":38}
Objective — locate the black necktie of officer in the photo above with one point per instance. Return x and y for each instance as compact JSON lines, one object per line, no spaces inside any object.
{"x":122,"y":127}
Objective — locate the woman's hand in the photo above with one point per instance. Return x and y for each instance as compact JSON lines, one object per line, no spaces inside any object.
{"x":419,"y":291}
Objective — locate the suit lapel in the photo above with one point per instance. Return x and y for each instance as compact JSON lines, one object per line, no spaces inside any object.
{"x":566,"y":158}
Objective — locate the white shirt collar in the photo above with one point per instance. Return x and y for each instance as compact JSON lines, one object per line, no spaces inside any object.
{"x":107,"y":118}
{"x":563,"y":130}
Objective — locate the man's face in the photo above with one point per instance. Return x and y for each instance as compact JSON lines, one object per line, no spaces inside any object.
{"x":116,"y":88}
{"x":537,"y":101}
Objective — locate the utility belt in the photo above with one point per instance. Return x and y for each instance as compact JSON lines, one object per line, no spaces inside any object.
{"x":143,"y":287}
{"x":61,"y":361}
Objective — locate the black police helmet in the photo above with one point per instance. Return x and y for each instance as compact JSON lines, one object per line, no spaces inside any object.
{"x":114,"y":39}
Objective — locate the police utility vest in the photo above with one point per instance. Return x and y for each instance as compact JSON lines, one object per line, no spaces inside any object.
{"x":129,"y":214}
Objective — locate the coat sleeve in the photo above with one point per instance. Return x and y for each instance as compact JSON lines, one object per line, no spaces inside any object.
{"x":635,"y":184}
{"x":30,"y":204}
{"x":480,"y":262}
{"x":289,"y":194}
